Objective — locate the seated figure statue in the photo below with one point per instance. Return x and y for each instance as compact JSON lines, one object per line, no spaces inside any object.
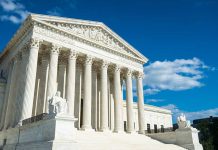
{"x":57,"y":104}
{"x":182,"y":122}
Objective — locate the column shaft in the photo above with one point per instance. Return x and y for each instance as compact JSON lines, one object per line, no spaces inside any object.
{"x":78,"y":91}
{"x":42,"y":101}
{"x":7,"y":92}
{"x":11,"y":96}
{"x":86,"y":124}
{"x":104,"y":97}
{"x":94,"y":98}
{"x":36,"y":92}
{"x":52,"y":75}
{"x":30,"y":77}
{"x":118,"y":123}
{"x":129,"y":102}
{"x":62,"y":77}
{"x":71,"y":77}
{"x":141,"y":115}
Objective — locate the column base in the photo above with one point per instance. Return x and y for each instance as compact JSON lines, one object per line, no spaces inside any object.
{"x":105,"y":130}
{"x":131,"y":132}
{"x":115,"y":131}
{"x":141,"y":132}
{"x":87,"y":128}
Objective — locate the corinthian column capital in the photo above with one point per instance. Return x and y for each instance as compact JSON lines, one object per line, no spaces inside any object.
{"x":116,"y":68}
{"x":34,"y":42}
{"x":129,"y":73}
{"x":89,"y":60}
{"x":73,"y":54}
{"x":104,"y":64}
{"x":55,"y":49}
{"x":140,"y":75}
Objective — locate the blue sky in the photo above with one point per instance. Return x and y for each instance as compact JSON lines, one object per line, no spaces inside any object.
{"x":180,"y":38}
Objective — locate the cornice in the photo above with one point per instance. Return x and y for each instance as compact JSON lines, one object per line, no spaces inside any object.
{"x":32,"y":22}
{"x":67,"y":34}
{"x":88,"y":23}
{"x":18,"y":36}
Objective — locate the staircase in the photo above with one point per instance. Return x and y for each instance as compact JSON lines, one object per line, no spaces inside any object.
{"x":91,"y":140}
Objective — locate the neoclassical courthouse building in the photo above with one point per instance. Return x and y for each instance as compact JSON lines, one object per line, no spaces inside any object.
{"x":88,"y":64}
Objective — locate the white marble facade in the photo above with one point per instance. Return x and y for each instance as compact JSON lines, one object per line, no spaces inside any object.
{"x":84,"y":60}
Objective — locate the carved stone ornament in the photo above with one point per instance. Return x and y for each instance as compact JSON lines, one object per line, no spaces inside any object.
{"x":97,"y":34}
{"x":67,"y":38}
{"x":73,"y":54}
{"x":116,"y":68}
{"x":33,"y":42}
{"x":89,"y":60}
{"x":129,"y":72}
{"x":55,"y":49}
{"x":140,"y":75}
{"x":104,"y":64}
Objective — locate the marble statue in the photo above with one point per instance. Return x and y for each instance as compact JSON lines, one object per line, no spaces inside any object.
{"x":57,"y":104}
{"x":182,"y":122}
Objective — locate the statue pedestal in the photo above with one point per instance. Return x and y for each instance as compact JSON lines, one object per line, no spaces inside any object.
{"x":188,"y":138}
{"x":52,"y":133}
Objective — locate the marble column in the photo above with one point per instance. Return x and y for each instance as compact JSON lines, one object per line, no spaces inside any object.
{"x":129,"y":102}
{"x":16,"y":92}
{"x":36,"y":92}
{"x":78,"y":94}
{"x":4,"y":110}
{"x":11,"y":95}
{"x":86,"y":124}
{"x":111,"y":104}
{"x":104,"y":97}
{"x":71,"y":77}
{"x":52,"y":74}
{"x":30,"y":66}
{"x":42,"y":101}
{"x":94,"y":97}
{"x":62,"y":76}
{"x":3,"y":84}
{"x":98,"y":102}
{"x":141,"y":115}
{"x":118,"y":122}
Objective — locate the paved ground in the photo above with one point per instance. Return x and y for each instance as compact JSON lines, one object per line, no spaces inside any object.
{"x":90,"y":140}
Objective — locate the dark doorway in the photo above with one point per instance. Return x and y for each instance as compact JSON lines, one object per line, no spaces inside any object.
{"x":125,"y":126}
{"x":81,"y":113}
{"x":148,"y":128}
{"x":155,"y":128}
{"x":162,"y":128}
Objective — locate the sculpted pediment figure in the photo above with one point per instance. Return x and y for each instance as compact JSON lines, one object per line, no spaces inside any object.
{"x":96,"y":32}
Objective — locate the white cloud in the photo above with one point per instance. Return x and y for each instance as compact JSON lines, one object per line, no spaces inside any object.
{"x":14,"y":11}
{"x":191,"y":115}
{"x":151,"y":91}
{"x":56,"y":11}
{"x":180,"y":74}
{"x":154,"y":100}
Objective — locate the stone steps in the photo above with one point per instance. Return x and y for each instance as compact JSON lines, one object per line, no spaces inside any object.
{"x":91,"y":140}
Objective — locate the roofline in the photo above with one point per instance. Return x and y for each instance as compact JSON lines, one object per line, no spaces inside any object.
{"x":33,"y":16}
{"x":101,"y":24}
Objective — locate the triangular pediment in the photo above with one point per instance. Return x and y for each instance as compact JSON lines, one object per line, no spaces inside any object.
{"x":93,"y":31}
